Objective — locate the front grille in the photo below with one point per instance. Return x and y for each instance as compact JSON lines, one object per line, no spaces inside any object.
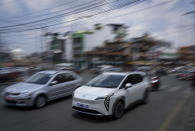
{"x":11,"y":101}
{"x":86,"y":110}
{"x":107,"y":102}
{"x":12,"y":93}
{"x":84,"y":100}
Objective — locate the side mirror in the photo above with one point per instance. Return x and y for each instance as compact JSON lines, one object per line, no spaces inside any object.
{"x":53,"y":83}
{"x":128,"y":85}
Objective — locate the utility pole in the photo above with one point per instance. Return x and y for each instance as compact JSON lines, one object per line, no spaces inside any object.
{"x":0,"y":42}
{"x":42,"y":40}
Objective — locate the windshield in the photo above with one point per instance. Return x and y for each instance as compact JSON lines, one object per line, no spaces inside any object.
{"x":106,"y":81}
{"x":39,"y":78}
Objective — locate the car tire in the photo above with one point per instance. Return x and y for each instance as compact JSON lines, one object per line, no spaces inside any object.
{"x":118,"y":110}
{"x":40,"y":101}
{"x":145,"y":98}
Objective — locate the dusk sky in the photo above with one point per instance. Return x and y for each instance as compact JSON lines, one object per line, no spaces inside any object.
{"x":163,"y":19}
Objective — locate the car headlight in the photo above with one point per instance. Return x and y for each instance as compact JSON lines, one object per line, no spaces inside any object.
{"x":103,"y":97}
{"x":100,"y":98}
{"x":26,"y":93}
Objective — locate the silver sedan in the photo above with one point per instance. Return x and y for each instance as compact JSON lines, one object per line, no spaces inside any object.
{"x":42,"y":87}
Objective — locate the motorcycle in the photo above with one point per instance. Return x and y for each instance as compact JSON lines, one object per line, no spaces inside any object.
{"x":155,"y":83}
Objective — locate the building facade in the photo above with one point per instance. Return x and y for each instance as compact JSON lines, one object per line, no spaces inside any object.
{"x":115,"y":53}
{"x":85,"y":41}
{"x":187,"y":54}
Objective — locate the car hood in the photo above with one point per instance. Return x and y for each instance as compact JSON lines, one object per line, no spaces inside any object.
{"x":23,"y":87}
{"x":91,"y":93}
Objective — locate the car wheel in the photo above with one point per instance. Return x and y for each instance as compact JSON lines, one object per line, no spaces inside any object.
{"x":118,"y":110}
{"x":40,"y":101}
{"x":145,"y":98}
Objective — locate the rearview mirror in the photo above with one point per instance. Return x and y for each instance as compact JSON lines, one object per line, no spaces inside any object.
{"x":128,"y":85}
{"x":53,"y":83}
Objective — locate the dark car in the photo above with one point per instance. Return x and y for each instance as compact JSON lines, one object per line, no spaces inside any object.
{"x":160,"y":72}
{"x":193,"y":80}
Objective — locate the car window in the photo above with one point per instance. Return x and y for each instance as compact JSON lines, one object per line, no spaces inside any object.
{"x":138,"y":78}
{"x":133,"y":79}
{"x":58,"y":78}
{"x":69,"y":77}
{"x":106,"y":81}
{"x":39,"y":78}
{"x":64,"y":77}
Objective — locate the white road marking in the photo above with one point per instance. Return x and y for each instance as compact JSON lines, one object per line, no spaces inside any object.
{"x":172,"y":115}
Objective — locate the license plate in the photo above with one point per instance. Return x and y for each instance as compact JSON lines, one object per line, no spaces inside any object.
{"x":82,"y":105}
{"x":8,"y":98}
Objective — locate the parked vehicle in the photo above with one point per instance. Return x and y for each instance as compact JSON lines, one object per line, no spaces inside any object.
{"x":104,"y":68}
{"x":176,"y":69}
{"x":111,"y":93}
{"x":64,"y":66}
{"x":193,"y":81}
{"x":189,"y":75}
{"x":9,"y":73}
{"x":42,"y":87}
{"x":112,"y":69}
{"x":182,"y":74}
{"x":155,"y":83}
{"x":68,"y":66}
{"x":145,"y":69}
{"x":161,"y":72}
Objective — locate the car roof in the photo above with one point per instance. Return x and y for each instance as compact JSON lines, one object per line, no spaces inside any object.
{"x":49,"y":72}
{"x":54,"y":72}
{"x":125,"y":73}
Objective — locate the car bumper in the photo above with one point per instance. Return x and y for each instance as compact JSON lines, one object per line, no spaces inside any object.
{"x":94,"y":107}
{"x":17,"y":101}
{"x":88,"y":112}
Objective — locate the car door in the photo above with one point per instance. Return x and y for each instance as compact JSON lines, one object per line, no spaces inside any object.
{"x":139,"y":85}
{"x":70,"y":83}
{"x":131,"y":91}
{"x":56,"y":90}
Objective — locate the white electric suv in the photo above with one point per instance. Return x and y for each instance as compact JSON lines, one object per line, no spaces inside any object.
{"x":111,"y":93}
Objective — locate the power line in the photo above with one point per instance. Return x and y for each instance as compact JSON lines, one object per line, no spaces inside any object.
{"x":126,"y":13}
{"x":121,"y":15}
{"x":190,"y":12}
{"x":173,"y":32}
{"x":56,"y":16}
{"x":81,"y":17}
{"x":53,"y":12}
{"x":63,"y":14}
{"x":53,"y":20}
{"x":47,"y":14}
{"x":159,"y":4}
{"x":161,"y":34}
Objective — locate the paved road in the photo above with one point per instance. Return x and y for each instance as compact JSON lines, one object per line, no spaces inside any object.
{"x":163,"y":112}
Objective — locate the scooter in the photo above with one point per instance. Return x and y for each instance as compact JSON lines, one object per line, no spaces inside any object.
{"x":155,"y":83}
